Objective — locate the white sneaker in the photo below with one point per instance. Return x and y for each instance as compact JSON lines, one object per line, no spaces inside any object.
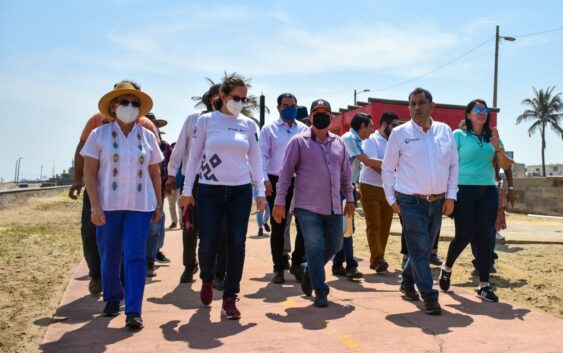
{"x":499,"y":236}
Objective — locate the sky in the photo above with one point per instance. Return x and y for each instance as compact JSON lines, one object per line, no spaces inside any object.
{"x":58,"y":58}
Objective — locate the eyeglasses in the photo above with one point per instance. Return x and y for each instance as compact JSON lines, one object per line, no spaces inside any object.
{"x":238,"y":99}
{"x":125,"y":103}
{"x":478,"y":110}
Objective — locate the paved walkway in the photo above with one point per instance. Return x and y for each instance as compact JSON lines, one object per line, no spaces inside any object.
{"x":365,"y":316}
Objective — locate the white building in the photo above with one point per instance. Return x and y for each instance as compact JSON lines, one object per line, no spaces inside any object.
{"x":550,"y":170}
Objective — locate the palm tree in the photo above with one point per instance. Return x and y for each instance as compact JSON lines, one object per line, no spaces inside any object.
{"x":252,"y":106}
{"x":543,"y":110}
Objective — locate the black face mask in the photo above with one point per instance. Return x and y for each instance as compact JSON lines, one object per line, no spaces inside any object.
{"x":321,"y":120}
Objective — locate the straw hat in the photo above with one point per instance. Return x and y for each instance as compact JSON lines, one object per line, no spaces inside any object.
{"x":120,"y":89}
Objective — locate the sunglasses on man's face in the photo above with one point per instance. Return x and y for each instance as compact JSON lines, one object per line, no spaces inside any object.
{"x":478,"y":110}
{"x":125,"y":103}
{"x":239,"y":99}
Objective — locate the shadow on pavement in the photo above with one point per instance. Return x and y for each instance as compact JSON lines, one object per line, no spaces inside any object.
{"x":81,"y":310}
{"x":507,"y":248}
{"x":311,"y":317}
{"x":200,"y":332}
{"x":182,"y":297}
{"x":346,"y":285}
{"x":95,"y":336}
{"x":436,"y":325}
{"x":499,"y":311}
{"x":387,"y":277}
{"x":277,"y":293}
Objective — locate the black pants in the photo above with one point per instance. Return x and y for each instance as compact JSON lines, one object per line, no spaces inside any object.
{"x":475,"y":217}
{"x":278,"y":230}
{"x":89,"y":245}
{"x":404,"y":249}
{"x":189,"y":237}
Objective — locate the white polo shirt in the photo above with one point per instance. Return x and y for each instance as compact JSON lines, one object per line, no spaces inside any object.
{"x":374,"y":147}
{"x":418,"y":162}
{"x":139,"y":143}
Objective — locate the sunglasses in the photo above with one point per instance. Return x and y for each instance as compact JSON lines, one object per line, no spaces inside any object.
{"x":125,"y":103}
{"x":481,"y":110}
{"x":239,"y":99}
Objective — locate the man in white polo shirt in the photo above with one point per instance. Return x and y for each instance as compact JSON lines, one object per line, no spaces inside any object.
{"x":420,"y":171}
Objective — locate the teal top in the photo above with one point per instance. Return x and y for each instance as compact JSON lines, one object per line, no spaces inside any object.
{"x":475,"y":159}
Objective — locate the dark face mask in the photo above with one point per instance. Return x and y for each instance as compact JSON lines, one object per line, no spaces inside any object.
{"x":321,"y":120}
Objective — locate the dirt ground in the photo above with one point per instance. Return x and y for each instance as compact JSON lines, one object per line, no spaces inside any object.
{"x":39,"y":248}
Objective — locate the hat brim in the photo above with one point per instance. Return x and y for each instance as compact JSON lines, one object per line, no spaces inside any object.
{"x":160,"y":123}
{"x":145,"y":100}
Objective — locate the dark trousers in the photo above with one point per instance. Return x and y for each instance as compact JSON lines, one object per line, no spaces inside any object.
{"x":475,"y":217}
{"x":189,"y":237}
{"x":89,"y":245}
{"x":214,"y":203}
{"x":278,"y":230}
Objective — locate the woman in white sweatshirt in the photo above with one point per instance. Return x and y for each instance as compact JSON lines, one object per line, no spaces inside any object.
{"x":225,"y":146}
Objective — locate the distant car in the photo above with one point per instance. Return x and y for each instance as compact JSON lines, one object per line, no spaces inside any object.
{"x":23,"y":185}
{"x":47,"y":184}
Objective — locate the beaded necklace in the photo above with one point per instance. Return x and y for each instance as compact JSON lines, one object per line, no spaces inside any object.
{"x":116,"y":157}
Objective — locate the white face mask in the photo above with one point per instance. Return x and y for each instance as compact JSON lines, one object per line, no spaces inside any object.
{"x":234,"y":107}
{"x":127,"y":114}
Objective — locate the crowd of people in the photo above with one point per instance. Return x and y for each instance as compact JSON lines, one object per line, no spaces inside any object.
{"x":222,"y":161}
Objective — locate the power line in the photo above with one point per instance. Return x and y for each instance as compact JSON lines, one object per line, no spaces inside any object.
{"x":438,"y":68}
{"x":538,"y":33}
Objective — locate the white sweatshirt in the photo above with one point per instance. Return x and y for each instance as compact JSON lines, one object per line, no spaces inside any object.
{"x":182,"y":148}
{"x":227,"y":150}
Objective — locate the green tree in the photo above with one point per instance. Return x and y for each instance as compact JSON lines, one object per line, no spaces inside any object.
{"x":543,"y":110}
{"x":250,"y":108}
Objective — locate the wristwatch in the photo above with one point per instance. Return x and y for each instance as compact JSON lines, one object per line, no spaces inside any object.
{"x":511,"y":188}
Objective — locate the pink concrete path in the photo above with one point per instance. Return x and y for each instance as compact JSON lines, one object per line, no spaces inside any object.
{"x":365,"y":316}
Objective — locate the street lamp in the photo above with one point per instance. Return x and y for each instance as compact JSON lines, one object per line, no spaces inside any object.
{"x":17,"y":173}
{"x":497,"y":38}
{"x":356,"y":93}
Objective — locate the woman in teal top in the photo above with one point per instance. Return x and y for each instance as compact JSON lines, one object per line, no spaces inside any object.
{"x":478,"y":147}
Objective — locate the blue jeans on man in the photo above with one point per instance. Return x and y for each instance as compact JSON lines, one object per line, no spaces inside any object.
{"x":155,"y":238}
{"x":323,"y":238}
{"x":347,"y":251}
{"x":421,"y":222}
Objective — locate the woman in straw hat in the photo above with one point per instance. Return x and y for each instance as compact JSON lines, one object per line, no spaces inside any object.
{"x":122,"y":175}
{"x":225,"y":145}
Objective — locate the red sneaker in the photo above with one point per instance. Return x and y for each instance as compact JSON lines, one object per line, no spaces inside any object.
{"x":229,"y":309}
{"x":206,"y":294}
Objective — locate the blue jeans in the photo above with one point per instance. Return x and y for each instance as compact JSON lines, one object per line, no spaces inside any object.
{"x":347,"y":251}
{"x":123,"y":239}
{"x":156,"y":235}
{"x":475,"y":218}
{"x":213,"y":203}
{"x":323,"y":238}
{"x":421,"y":223}
{"x":264,"y":216}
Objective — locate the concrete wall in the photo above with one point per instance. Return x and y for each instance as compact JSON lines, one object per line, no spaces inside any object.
{"x":538,"y":196}
{"x":11,"y":198}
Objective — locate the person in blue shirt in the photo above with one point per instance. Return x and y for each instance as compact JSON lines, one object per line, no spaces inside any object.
{"x":479,"y":148}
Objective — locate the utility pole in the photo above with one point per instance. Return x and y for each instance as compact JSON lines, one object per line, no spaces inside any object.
{"x":495,"y":82}
{"x":356,"y":95}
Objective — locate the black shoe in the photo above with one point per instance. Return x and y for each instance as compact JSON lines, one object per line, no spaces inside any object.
{"x":306,"y":282}
{"x":321,"y":299}
{"x":267,"y":227}
{"x":187,"y":276}
{"x":410,"y":293}
{"x":432,"y":307}
{"x":381,"y":267}
{"x":95,"y":286}
{"x":492,"y":269}
{"x":487,"y":294}
{"x":260,"y":232}
{"x":444,"y":279}
{"x":278,"y":277}
{"x":339,"y":271}
{"x":286,"y":262}
{"x":296,"y":271}
{"x":111,"y":309}
{"x":134,"y":321}
{"x":160,"y":257}
{"x":219,"y":283}
{"x":150,"y":269}
{"x":354,"y":274}
{"x":173,"y":225}
{"x":435,"y":260}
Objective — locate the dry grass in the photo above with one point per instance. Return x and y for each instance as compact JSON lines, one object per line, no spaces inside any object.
{"x":39,"y":248}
